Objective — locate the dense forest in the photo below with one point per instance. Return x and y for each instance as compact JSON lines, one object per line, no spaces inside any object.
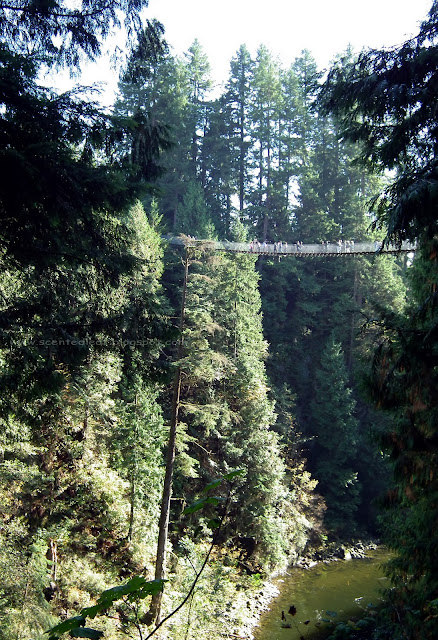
{"x":178,"y":424}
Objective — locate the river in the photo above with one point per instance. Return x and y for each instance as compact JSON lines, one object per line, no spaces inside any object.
{"x":323,"y":595}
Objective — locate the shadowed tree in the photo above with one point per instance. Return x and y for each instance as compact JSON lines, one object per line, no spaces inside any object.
{"x":334,"y":452}
{"x":386,"y":101}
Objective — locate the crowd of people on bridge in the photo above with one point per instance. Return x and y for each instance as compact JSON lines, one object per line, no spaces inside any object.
{"x":342,"y":246}
{"x":279,"y":247}
{"x":276,"y":247}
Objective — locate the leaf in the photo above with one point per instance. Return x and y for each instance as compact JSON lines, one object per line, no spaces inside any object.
{"x":306,"y":622}
{"x":213,"y":523}
{"x":91,"y":612}
{"x":136,"y":586}
{"x":292,"y":610}
{"x":233,"y":474}
{"x":150,"y":588}
{"x":200,"y":504}
{"x":67,"y":625}
{"x":211,"y":485}
{"x":332,"y":614}
{"x":196,"y":506}
{"x":85,"y":632}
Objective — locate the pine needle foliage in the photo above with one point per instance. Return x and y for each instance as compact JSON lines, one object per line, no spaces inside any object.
{"x":386,"y":101}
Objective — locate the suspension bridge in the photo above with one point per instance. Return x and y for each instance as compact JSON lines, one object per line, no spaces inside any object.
{"x":298,"y":250}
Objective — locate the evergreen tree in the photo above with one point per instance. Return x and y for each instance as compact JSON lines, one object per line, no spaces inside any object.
{"x":289,"y":146}
{"x":158,"y":87}
{"x":238,"y":100}
{"x":64,"y":238}
{"x":218,"y":159}
{"x":193,"y":217}
{"x":335,"y":428}
{"x":396,"y":87}
{"x":305,"y":301}
{"x":136,"y":441}
{"x":72,"y":399}
{"x":79,"y":33}
{"x":198,"y":71}
{"x":308,"y":75}
{"x":265,"y":113}
{"x":226,"y":415}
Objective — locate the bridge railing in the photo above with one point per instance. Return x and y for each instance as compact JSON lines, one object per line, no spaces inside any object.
{"x":264,"y":248}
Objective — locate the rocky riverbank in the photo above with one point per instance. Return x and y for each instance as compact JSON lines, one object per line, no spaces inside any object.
{"x":334,"y":552}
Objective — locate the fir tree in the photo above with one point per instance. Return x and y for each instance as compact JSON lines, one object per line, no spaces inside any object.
{"x":396,"y":87}
{"x":335,"y":428}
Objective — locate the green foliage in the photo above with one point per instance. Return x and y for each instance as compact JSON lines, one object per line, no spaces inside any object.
{"x":192,"y":216}
{"x":57,"y":482}
{"x":136,"y":588}
{"x":86,"y":351}
{"x":226,"y":408}
{"x":24,"y":608}
{"x":335,"y":428}
{"x":403,"y":383}
{"x":387,"y":105}
{"x":385,"y":101}
{"x":60,"y":34}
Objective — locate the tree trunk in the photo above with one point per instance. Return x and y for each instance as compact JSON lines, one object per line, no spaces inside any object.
{"x":160,"y":564}
{"x":133,"y":478}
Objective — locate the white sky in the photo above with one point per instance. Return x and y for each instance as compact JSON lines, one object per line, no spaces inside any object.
{"x":325,"y":27}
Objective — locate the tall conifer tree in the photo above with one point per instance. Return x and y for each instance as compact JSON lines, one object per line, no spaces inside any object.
{"x":335,"y":428}
{"x":397,"y":87}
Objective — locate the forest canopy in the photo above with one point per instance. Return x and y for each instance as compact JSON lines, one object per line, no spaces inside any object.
{"x":286,"y":395}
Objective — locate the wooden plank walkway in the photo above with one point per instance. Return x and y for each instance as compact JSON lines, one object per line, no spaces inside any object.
{"x":297,"y":250}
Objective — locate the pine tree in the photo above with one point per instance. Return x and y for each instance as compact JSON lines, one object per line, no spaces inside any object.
{"x":198,"y":71}
{"x":193,"y":217}
{"x":265,"y":113}
{"x":335,"y":428}
{"x":219,"y":162}
{"x":238,"y":100}
{"x":226,"y":416}
{"x":158,"y":87}
{"x":71,"y":407}
{"x":396,"y":87}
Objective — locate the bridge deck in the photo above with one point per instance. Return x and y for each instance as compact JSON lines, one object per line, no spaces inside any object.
{"x":296,"y":250}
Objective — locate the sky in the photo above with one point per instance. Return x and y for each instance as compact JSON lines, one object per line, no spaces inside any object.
{"x":324,"y":27}
{"x":286,"y":27}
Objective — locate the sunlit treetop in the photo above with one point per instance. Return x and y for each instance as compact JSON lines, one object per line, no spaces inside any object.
{"x":66,"y":31}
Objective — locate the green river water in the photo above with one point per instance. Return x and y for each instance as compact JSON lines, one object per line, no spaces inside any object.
{"x":323,"y":595}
